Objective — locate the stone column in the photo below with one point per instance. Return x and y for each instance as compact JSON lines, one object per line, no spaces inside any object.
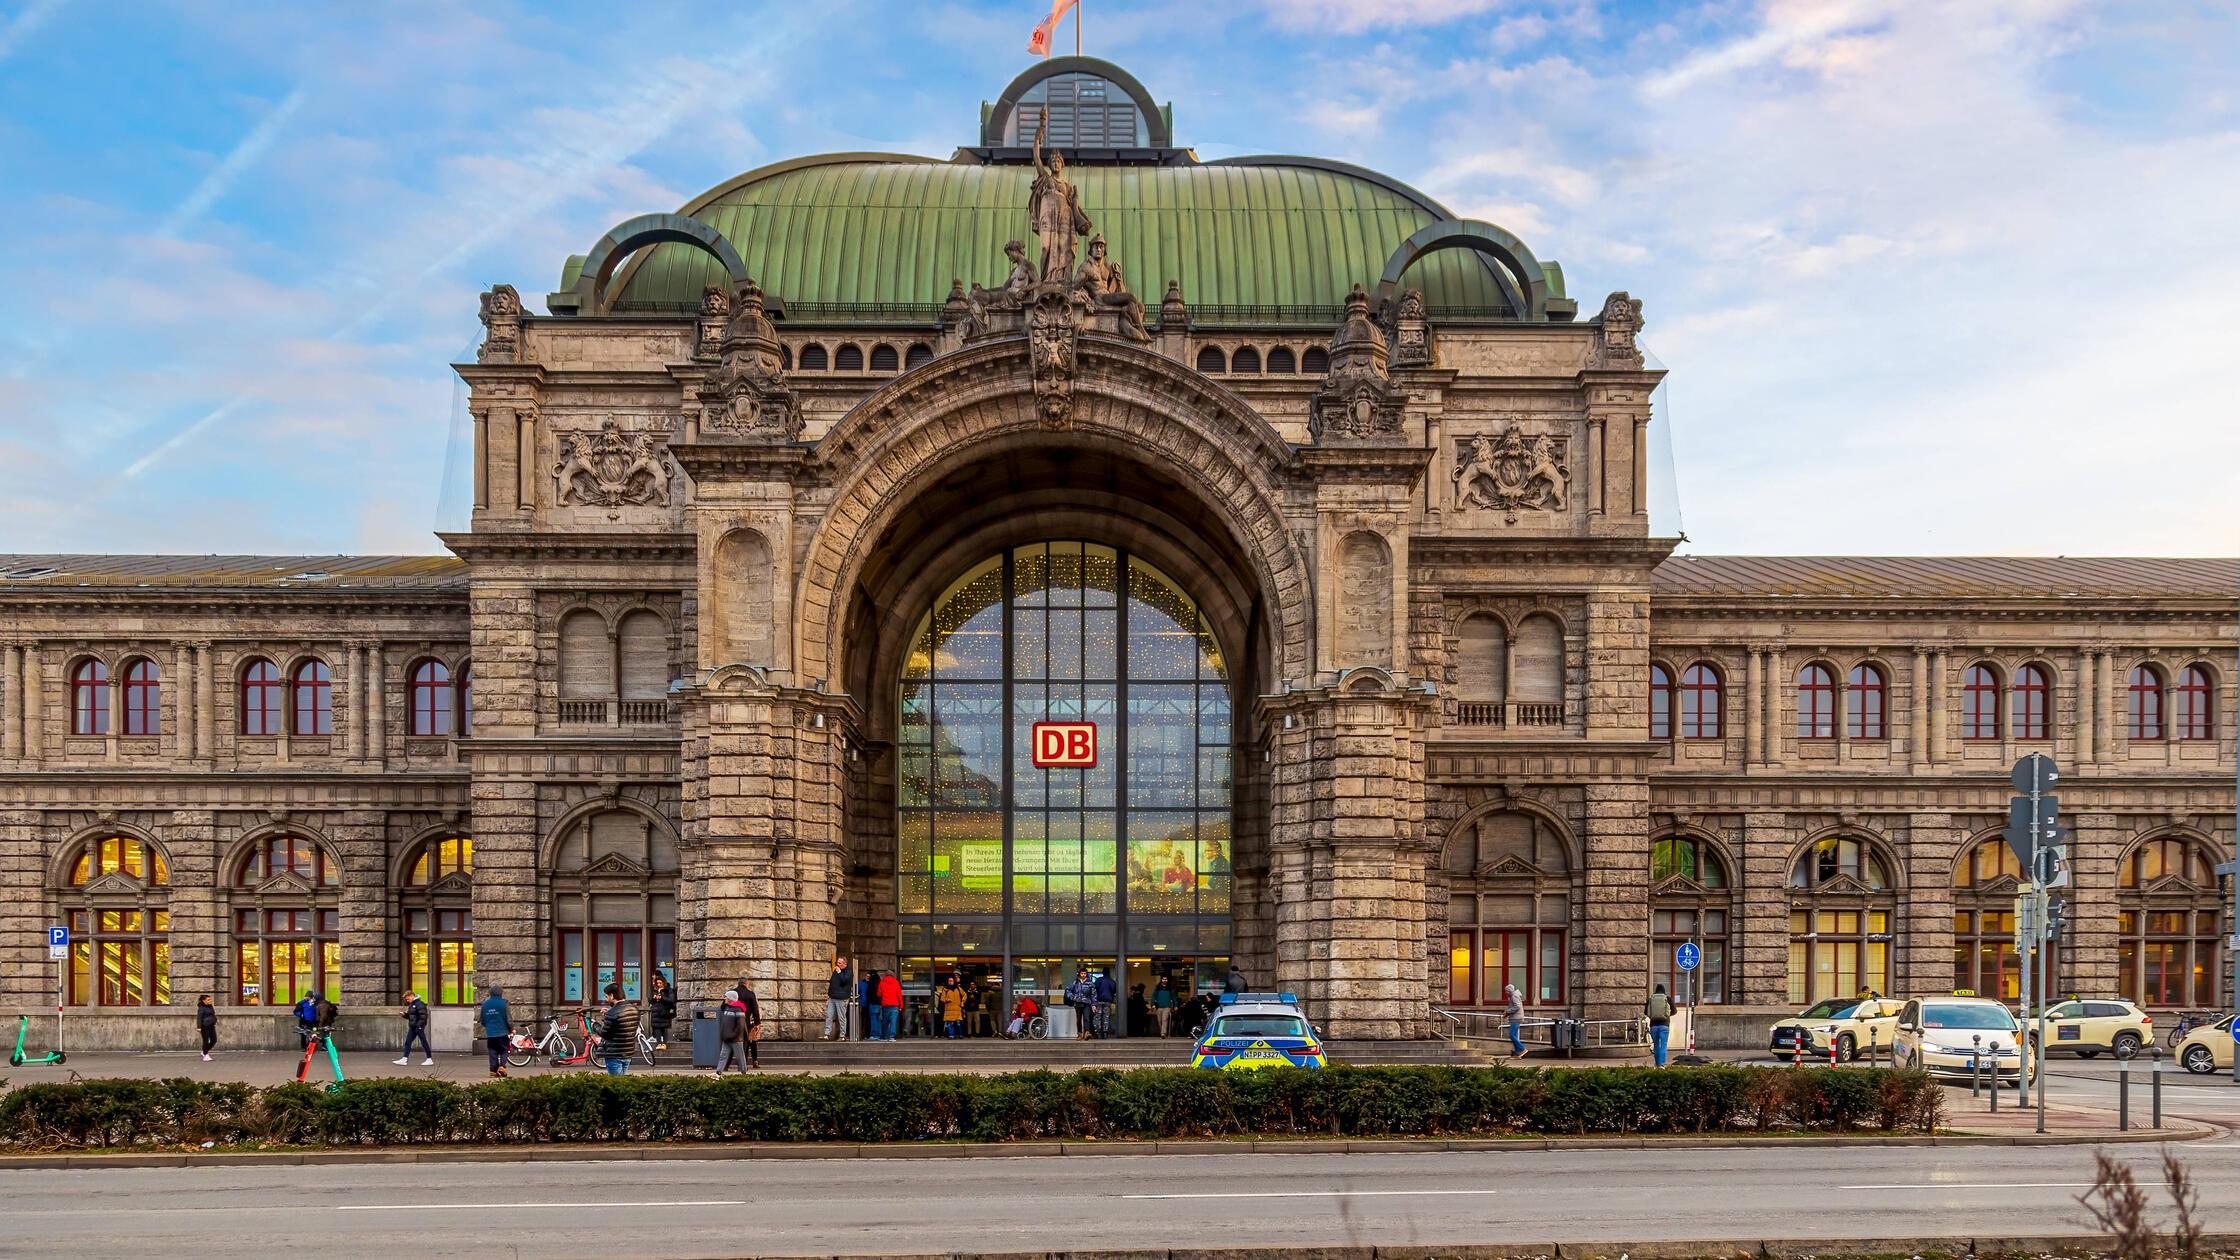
{"x":2103,"y":708}
{"x":508,"y":832}
{"x":26,"y":977}
{"x":1939,"y":720}
{"x":360,"y":843}
{"x":11,"y":702}
{"x":1776,"y":668}
{"x":1754,"y":714}
{"x":34,"y":705}
{"x":201,"y":959}
{"x":186,"y":702}
{"x":2080,"y":703}
{"x":1761,"y":975}
{"x":206,"y":716}
{"x":1596,"y":426}
{"x":1917,"y":703}
{"x":1615,"y":954}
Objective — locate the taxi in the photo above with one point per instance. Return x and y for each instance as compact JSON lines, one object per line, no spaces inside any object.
{"x":1945,"y":1036}
{"x":2085,"y":1027}
{"x":2208,"y":1048}
{"x":1251,"y":1031}
{"x":1859,"y":1023}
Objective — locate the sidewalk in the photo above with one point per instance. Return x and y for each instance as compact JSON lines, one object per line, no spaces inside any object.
{"x":2065,"y":1122}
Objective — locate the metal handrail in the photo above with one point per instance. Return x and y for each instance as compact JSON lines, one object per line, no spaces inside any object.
{"x":1544,"y":1030}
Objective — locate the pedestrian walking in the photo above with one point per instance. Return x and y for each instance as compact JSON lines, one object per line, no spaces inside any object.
{"x":1162,"y":1007}
{"x":1659,"y":1011}
{"x":206,"y":1023}
{"x":661,"y":1010}
{"x":618,"y":1031}
{"x":753,"y":1036}
{"x":416,"y":1029}
{"x":1512,"y":1013}
{"x":890,"y":1005}
{"x":837,"y":992}
{"x":497,"y":1027}
{"x":867,"y":991}
{"x":731,"y":1033}
{"x":951,"y":999}
{"x":1106,"y":992}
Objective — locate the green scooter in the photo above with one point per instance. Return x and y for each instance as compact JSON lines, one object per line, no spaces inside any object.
{"x":17,"y":1058}
{"x":320,"y":1037}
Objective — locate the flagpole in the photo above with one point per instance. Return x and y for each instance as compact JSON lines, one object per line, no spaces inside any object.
{"x":1077,"y":5}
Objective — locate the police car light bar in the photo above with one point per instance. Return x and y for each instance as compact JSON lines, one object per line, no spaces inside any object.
{"x":1288,"y":999}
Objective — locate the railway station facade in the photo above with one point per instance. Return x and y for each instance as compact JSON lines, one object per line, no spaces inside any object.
{"x":1329,"y":512}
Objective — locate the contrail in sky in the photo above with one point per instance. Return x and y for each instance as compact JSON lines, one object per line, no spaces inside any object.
{"x":27,"y":23}
{"x":221,"y":176}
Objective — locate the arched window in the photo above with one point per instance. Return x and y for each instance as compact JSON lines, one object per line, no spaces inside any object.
{"x":2145,"y":703}
{"x":884,"y":358}
{"x":436,"y":916}
{"x":260,"y":698}
{"x":1508,"y":909}
{"x":785,"y":357}
{"x":1316,"y":359}
{"x":143,"y":698}
{"x":116,"y":900}
{"x":1211,"y":362}
{"x":1691,"y":899}
{"x":1702,"y":702}
{"x":2171,"y":922}
{"x":1481,"y":676}
{"x":1246,"y":359}
{"x":431,"y":698}
{"x":1984,"y":884}
{"x":1979,"y":703}
{"x":1281,"y":360}
{"x":812,"y":358}
{"x":1839,"y":921}
{"x":1816,"y":703}
{"x":1660,"y":702}
{"x":311,"y":692}
{"x":848,"y":358}
{"x":2196,"y":704}
{"x":284,"y":894}
{"x":2030,"y":703}
{"x":1866,"y":711}
{"x":89,"y":698}
{"x":917,"y":355}
{"x":614,"y":904}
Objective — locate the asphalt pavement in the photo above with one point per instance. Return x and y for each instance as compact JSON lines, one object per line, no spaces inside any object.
{"x":789,"y":1207}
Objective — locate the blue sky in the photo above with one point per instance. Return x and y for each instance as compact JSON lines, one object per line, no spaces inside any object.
{"x":1930,"y":275}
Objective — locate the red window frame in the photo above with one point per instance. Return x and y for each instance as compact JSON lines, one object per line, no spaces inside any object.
{"x":311,"y":699}
{"x":1702,"y":703}
{"x":1979,"y":703}
{"x":89,"y":699}
{"x":2195,"y":704}
{"x":143,"y":698}
{"x":260,"y":698}
{"x":2144,"y":707}
{"x":2031,"y":702}
{"x":1867,"y":707}
{"x":1816,"y":702}
{"x":1660,"y":702}
{"x":431,"y":699}
{"x":465,"y":687}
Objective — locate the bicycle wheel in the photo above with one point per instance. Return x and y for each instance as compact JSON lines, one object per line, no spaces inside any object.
{"x":518,"y":1053}
{"x":645,"y":1051}
{"x":562,"y":1048}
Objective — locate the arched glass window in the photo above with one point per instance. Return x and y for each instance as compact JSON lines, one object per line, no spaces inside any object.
{"x":431,"y":698}
{"x":436,"y":917}
{"x":1866,"y":708}
{"x":2196,"y":704}
{"x":1282,"y":360}
{"x":89,"y":699}
{"x":143,"y":698}
{"x":1246,"y":359}
{"x":1508,"y":911}
{"x":284,"y":894}
{"x":1984,"y":883}
{"x":1839,"y":921}
{"x":917,"y":355}
{"x":1660,"y":702}
{"x":1211,"y":362}
{"x":2030,"y":703}
{"x":1979,"y":703}
{"x":812,"y":358}
{"x":614,"y":904}
{"x":1316,"y":359}
{"x":117,"y":904}
{"x":312,"y":693}
{"x":2145,"y":709}
{"x":884,"y":358}
{"x":1816,"y":703}
{"x":1691,"y":900}
{"x":260,"y":698}
{"x":2171,"y":924}
{"x":848,"y":358}
{"x":1702,"y":703}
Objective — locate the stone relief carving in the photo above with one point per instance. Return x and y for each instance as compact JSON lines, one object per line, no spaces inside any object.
{"x":501,"y":326}
{"x":715,"y":313}
{"x":1364,"y":601}
{"x":746,"y":394}
{"x":1357,"y":401}
{"x":1100,"y":282}
{"x":1511,"y":473}
{"x":611,"y":469}
{"x":1052,"y":329}
{"x":1621,"y":324}
{"x":1409,"y":331}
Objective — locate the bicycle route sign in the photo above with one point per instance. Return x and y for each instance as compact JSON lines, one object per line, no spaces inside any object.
{"x":1688,"y":956}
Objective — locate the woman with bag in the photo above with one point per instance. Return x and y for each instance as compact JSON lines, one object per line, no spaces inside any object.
{"x":754,"y":1023}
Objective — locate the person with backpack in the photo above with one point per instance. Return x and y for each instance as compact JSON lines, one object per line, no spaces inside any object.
{"x":1659,"y":1011}
{"x":307,"y":1019}
{"x":618,"y":1032}
{"x":416,"y":1029}
{"x":497,"y":1028}
{"x":206,"y":1023}
{"x":1106,"y":992}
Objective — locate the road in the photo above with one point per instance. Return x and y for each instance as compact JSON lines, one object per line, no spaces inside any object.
{"x":553,"y":1211}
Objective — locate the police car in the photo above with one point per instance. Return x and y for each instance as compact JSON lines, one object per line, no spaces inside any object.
{"x":1250,"y":1031}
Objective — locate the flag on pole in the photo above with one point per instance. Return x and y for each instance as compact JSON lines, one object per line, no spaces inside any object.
{"x":1039,"y":42}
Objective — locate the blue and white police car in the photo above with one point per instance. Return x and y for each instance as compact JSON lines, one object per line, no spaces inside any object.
{"x":1250,"y":1031}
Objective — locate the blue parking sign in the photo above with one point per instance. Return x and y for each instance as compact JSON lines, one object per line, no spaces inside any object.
{"x":59,"y":937}
{"x":1687,"y":956}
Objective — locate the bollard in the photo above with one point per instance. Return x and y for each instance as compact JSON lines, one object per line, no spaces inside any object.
{"x":1975,"y":1070}
{"x":2158,"y":1087}
{"x":2123,"y":1095}
{"x":1796,"y":1047}
{"x":1834,"y":1045}
{"x":1994,"y":1077}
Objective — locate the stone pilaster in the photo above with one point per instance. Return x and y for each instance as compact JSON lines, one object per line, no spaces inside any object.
{"x":26,"y":977}
{"x":2089,"y":961}
{"x":1921,"y":935}
{"x":360,"y":843}
{"x":1617,"y":688}
{"x":1614,"y":958}
{"x":201,"y":959}
{"x":1762,"y":977}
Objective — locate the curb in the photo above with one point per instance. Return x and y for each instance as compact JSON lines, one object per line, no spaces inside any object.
{"x":549,"y":1153}
{"x":1770,"y":1249}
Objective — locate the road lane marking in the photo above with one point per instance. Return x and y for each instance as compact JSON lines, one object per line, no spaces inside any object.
{"x":1302,"y":1194}
{"x":499,"y":1207}
{"x":1986,"y":1185}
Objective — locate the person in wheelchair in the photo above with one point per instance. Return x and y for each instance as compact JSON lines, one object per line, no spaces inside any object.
{"x":1023,"y":1014}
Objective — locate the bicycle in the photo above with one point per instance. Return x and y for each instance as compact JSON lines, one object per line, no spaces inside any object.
{"x":646,"y":1046}
{"x":2187,"y":1022}
{"x":521,"y":1048}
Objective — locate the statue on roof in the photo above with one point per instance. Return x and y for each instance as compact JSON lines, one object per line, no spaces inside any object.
{"x":1054,"y":211}
{"x":1100,"y":279}
{"x":1017,"y":287}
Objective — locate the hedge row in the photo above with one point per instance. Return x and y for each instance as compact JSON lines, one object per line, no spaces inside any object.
{"x":1096,"y":1103}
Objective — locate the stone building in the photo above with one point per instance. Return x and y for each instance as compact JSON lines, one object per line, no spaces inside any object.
{"x":1328,"y":510}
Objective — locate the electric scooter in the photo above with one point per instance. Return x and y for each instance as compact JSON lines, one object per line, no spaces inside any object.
{"x":590,"y":1044}
{"x":17,"y":1058}
{"x":320,"y":1037}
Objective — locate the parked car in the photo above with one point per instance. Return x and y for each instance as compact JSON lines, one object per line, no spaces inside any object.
{"x":1858,"y":1023}
{"x":1949,"y":1036}
{"x":2208,"y":1048}
{"x":2088,"y":1026}
{"x":1250,"y":1031}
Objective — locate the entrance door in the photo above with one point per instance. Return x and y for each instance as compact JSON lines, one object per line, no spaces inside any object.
{"x":1045,"y":869}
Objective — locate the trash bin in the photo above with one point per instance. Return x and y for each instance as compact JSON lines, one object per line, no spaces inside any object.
{"x":1063,"y":1022}
{"x":705,"y":1035}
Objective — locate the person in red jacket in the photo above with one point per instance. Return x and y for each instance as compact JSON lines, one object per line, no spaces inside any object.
{"x":889,"y":1010}
{"x":1022,"y":1012}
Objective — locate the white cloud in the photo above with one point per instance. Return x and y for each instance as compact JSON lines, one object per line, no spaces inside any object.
{"x":1354,"y":16}
{"x":26,"y":24}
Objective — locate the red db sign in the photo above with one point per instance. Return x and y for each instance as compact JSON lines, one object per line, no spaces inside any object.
{"x":1060,"y":745}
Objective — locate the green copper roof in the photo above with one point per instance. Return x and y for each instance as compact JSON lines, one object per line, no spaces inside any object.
{"x":870,"y":230}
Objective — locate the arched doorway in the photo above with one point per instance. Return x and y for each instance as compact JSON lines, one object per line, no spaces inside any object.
{"x":1015,"y":875}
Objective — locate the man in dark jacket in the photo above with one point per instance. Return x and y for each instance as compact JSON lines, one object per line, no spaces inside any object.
{"x":416,"y":1029}
{"x":618,"y":1032}
{"x":497,"y":1028}
{"x":1235,"y":982}
{"x":838,"y":991}
{"x":1106,"y":992}
{"x":307,"y":1018}
{"x":731,"y":1033}
{"x":751,"y":1036}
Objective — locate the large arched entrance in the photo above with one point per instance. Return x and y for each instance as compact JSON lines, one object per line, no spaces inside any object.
{"x":1015,"y":875}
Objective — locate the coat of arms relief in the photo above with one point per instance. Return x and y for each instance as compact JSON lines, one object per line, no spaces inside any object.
{"x":1511,"y":472}
{"x":612,"y":469}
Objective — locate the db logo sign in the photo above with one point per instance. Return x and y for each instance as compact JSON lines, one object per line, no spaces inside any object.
{"x":1060,"y":745}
